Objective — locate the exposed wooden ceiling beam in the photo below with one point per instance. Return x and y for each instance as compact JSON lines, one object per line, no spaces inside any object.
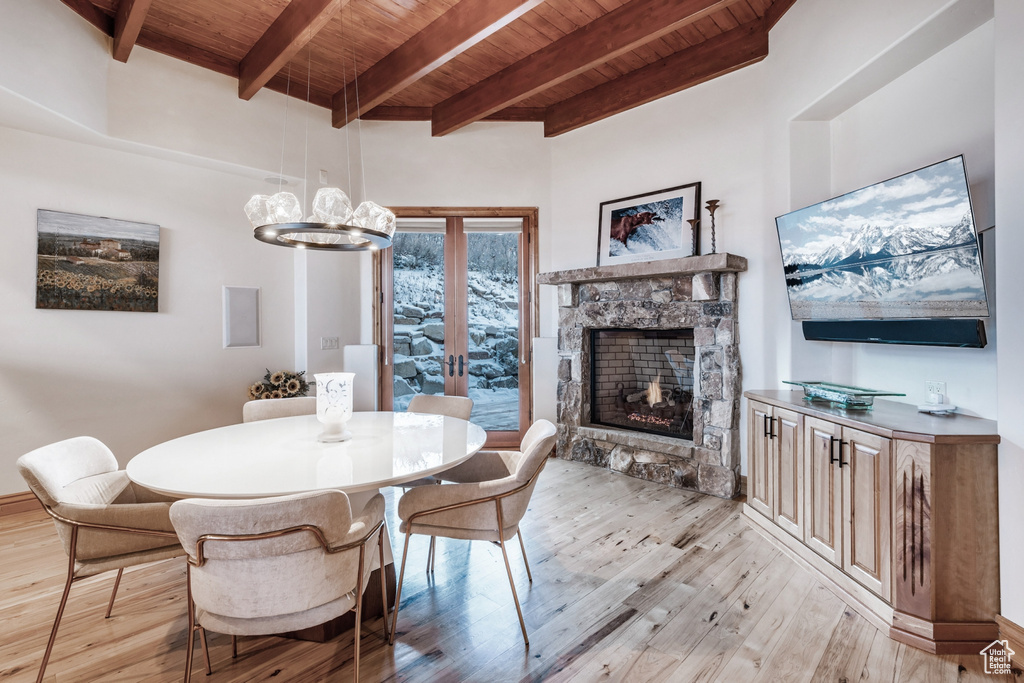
{"x":454,"y":32}
{"x":605,"y":38}
{"x":776,"y":10}
{"x":187,"y":53}
{"x":94,"y":16}
{"x":398,"y":114}
{"x":384,"y":113}
{"x":127,"y":25}
{"x":726,"y":52}
{"x":289,"y":33}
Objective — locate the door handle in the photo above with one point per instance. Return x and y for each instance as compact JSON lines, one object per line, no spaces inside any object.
{"x":767,"y":430}
{"x":841,"y":444}
{"x":451,"y":366}
{"x":461,"y":364}
{"x":832,"y":459}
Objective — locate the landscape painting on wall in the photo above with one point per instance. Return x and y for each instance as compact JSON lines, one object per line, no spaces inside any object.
{"x":649,"y":226}
{"x":96,"y":264}
{"x":902,"y":248}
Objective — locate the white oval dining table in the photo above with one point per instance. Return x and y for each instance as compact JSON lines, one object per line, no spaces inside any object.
{"x":282,"y":455}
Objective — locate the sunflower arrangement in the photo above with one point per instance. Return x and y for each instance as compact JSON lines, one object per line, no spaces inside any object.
{"x":281,"y":384}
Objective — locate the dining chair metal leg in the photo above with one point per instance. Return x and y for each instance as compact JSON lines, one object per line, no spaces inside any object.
{"x":190,"y":640}
{"x":63,"y":603}
{"x":430,"y":554}
{"x":206,"y":650}
{"x":398,"y":593}
{"x":383,"y":583}
{"x":113,"y":593}
{"x":359,"y":612}
{"x":508,"y":569}
{"x":525,"y":561}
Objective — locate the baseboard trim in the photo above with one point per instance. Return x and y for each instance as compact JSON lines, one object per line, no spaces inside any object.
{"x":13,"y":503}
{"x":1013,"y":634}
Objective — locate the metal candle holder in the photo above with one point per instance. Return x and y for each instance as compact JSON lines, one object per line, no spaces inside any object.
{"x":694,"y":223}
{"x":712,"y":207}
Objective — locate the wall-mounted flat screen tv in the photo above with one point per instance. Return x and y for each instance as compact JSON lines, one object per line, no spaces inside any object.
{"x":905,"y":248}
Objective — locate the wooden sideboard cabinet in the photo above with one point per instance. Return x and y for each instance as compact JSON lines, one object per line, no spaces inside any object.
{"x":894,"y":509}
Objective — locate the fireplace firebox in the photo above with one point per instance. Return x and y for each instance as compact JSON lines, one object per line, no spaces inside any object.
{"x":643,"y":380}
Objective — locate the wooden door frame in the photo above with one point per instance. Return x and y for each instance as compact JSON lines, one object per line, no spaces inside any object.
{"x":529,"y":305}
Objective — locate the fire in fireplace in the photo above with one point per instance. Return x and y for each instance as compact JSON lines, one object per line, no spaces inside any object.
{"x":643,"y":380}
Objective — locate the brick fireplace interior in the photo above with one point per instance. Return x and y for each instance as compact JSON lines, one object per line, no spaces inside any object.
{"x":643,"y":380}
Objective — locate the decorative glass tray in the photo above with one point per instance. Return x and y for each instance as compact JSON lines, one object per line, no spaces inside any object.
{"x":840,"y":394}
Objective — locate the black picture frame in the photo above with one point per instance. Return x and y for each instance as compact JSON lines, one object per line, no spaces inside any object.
{"x":649,"y":226}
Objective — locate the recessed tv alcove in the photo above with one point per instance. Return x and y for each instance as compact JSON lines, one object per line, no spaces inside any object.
{"x":897,"y":262}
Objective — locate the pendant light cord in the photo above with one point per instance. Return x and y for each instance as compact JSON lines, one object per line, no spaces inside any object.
{"x":344,"y":77}
{"x":284,"y":129}
{"x":305,"y":158}
{"x":359,"y":126}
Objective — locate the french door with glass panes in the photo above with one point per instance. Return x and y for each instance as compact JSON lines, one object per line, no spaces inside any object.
{"x":456,"y":311}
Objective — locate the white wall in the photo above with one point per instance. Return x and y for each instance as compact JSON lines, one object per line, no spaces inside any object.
{"x":67,"y":71}
{"x":129,"y":379}
{"x":1009,"y":98}
{"x":82,"y":133}
{"x":938,"y":109}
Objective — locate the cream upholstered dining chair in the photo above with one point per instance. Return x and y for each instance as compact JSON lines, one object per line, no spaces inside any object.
{"x":487,"y":503}
{"x":273,"y":565}
{"x":435,"y":404}
{"x":269,"y":408}
{"x":104,"y":520}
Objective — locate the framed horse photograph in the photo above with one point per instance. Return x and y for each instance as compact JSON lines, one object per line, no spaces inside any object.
{"x":650,"y":226}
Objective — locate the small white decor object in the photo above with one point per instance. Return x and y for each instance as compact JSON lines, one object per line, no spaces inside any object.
{"x":334,"y":404}
{"x":937,"y":408}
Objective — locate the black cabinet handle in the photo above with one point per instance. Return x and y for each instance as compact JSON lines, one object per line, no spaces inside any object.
{"x":461,"y":365}
{"x":832,"y":441}
{"x":767,"y":429}
{"x":451,"y":366}
{"x":841,"y":444}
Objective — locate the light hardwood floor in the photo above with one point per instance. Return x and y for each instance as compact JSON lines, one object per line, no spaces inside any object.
{"x":633,"y":581}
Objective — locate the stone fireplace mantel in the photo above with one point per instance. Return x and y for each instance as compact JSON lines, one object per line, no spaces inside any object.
{"x":697,"y":292}
{"x":706,"y":263}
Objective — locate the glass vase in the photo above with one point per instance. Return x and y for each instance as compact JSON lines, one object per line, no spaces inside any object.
{"x":334,"y":404}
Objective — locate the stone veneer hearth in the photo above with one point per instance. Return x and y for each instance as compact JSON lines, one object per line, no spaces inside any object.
{"x":697,"y":292}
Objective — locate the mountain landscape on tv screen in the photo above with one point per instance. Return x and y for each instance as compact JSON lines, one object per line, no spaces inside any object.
{"x":904,"y":248}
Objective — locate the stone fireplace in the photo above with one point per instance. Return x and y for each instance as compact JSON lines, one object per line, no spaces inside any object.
{"x":627,"y":333}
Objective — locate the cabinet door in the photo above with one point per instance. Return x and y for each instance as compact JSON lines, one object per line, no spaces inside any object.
{"x":759,"y":470}
{"x":788,"y":472}
{"x":823,"y":528}
{"x":866,"y":510}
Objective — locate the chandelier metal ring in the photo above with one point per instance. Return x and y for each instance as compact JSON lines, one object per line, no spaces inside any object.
{"x":280,"y":234}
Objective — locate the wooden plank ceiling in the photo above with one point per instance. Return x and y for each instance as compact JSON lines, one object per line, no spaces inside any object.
{"x":452,"y":62}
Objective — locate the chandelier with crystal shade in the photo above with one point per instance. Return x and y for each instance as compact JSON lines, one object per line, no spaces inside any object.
{"x":334,"y":225}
